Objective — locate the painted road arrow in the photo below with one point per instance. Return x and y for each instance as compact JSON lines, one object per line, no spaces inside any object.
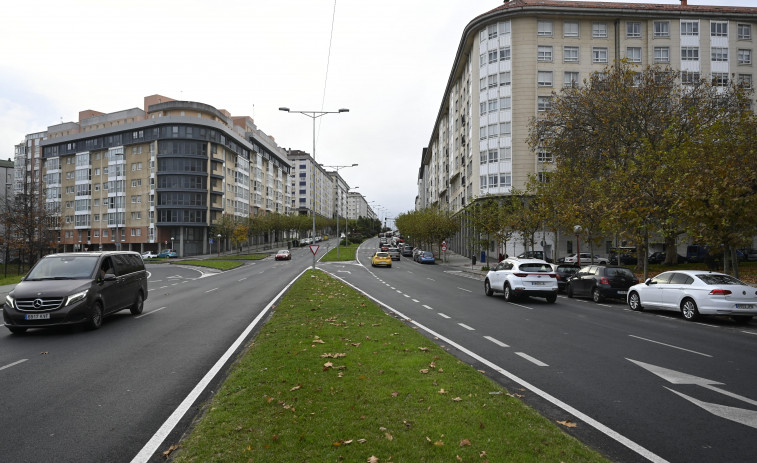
{"x":739,"y":415}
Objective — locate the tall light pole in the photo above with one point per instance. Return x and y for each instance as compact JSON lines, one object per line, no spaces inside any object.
{"x":313,"y":115}
{"x":578,"y":230}
{"x":338,"y":237}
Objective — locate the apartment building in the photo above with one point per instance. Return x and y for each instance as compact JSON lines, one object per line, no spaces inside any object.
{"x":152,"y":177}
{"x":512,"y":58}
{"x":312,"y":186}
{"x":357,"y":207}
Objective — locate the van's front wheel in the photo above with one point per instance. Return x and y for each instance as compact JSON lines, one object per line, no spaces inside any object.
{"x":139,"y":304}
{"x":95,"y":319}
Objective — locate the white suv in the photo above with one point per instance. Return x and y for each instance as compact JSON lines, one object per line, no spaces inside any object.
{"x":515,"y":277}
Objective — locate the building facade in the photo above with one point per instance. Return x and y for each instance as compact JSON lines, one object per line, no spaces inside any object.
{"x":513,"y":57}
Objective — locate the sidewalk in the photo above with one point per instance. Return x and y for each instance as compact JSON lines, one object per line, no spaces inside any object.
{"x":461,"y":263}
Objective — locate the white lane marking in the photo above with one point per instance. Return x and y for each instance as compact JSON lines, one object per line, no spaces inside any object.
{"x":13,"y":364}
{"x":398,"y":291}
{"x":392,"y":287}
{"x":160,"y":435}
{"x":532,"y":360}
{"x":465,"y":289}
{"x":430,"y":279}
{"x":211,"y":290}
{"x":416,"y":300}
{"x":469,"y":328}
{"x":621,"y":439}
{"x":163,"y":287}
{"x":749,"y":332}
{"x":406,"y":295}
{"x":496,"y":341}
{"x":242,"y":279}
{"x":443,"y":315}
{"x":670,"y":345}
{"x":150,"y":312}
{"x":429,"y":308}
{"x":156,"y":281}
{"x":524,"y":306}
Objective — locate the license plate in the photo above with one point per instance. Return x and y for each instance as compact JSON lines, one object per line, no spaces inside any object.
{"x":36,"y":316}
{"x":622,"y":292}
{"x":744,"y":306}
{"x":537,"y":283}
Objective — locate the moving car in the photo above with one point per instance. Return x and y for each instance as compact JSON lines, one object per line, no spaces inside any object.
{"x":381,"y":259}
{"x":516,"y":278}
{"x":76,"y":288}
{"x":149,"y":255}
{"x":563,"y":272}
{"x":394,"y":253}
{"x":600,"y":282}
{"x":407,"y":251}
{"x":167,"y":254}
{"x":283,"y":254}
{"x":426,"y":257}
{"x":695,"y":293}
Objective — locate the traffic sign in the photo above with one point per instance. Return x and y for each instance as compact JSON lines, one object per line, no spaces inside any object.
{"x":444,"y":248}
{"x":314,"y":248}
{"x":444,"y":242}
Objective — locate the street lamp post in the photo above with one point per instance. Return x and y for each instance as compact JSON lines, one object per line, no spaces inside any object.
{"x":577,"y":229}
{"x":219,"y":244}
{"x":172,"y":248}
{"x":313,"y":115}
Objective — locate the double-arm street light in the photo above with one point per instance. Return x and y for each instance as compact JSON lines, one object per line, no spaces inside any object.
{"x":338,"y":237}
{"x":313,"y":115}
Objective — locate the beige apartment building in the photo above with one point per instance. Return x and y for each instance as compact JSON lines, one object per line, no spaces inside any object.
{"x":512,"y":58}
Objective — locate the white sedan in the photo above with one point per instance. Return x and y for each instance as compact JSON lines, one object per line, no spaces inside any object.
{"x":149,"y":255}
{"x":694,"y":293}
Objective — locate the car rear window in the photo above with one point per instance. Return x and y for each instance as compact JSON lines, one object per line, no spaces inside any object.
{"x":382,"y":254}
{"x":719,"y":279}
{"x":618,"y":272}
{"x":535,"y":267}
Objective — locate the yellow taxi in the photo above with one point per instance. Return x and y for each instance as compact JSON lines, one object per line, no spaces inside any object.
{"x":381,"y":259}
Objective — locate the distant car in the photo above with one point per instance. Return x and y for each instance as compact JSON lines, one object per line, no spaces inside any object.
{"x":658,"y":257}
{"x":426,"y":257}
{"x":306,"y":241}
{"x":384,"y":247}
{"x":283,"y":254}
{"x":149,"y":255}
{"x":416,"y":253}
{"x":394,"y":253}
{"x":381,"y":259}
{"x":623,"y":255}
{"x":586,"y":259}
{"x":167,"y":254}
{"x":563,"y":272}
{"x":407,"y":251}
{"x":695,"y":293}
{"x":534,"y":255}
{"x":515,"y":277}
{"x":600,"y":282}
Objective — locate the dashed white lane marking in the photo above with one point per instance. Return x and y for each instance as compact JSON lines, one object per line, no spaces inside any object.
{"x":150,"y":312}
{"x":468,"y":290}
{"x":469,"y":328}
{"x":416,"y":300}
{"x":13,"y":364}
{"x":242,"y":279}
{"x":211,"y":290}
{"x":496,"y":341}
{"x":429,"y":308}
{"x":406,"y":295}
{"x":532,"y":360}
{"x":444,"y":316}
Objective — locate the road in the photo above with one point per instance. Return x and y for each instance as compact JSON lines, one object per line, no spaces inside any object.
{"x":640,"y":386}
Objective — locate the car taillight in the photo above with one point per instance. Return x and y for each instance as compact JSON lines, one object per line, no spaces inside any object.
{"x":604,"y":281}
{"x":554,"y":275}
{"x":520,"y":274}
{"x":558,"y":277}
{"x":720,"y":292}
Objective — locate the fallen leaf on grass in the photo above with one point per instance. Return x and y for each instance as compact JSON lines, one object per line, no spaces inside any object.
{"x":388,"y":436}
{"x":424,"y":349}
{"x":373,"y":459}
{"x":295,"y":388}
{"x":442,"y":391}
{"x":327,"y":365}
{"x":464,"y":442}
{"x":170,"y":450}
{"x":457,"y":399}
{"x":424,"y":370}
{"x":568,"y":423}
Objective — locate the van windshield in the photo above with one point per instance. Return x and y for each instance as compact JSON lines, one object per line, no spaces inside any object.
{"x":63,"y":268}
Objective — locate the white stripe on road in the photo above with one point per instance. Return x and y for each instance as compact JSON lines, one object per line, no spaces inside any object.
{"x":496,"y":341}
{"x":532,"y":360}
{"x":416,"y":300}
{"x":469,"y":328}
{"x":13,"y":364}
{"x":429,"y":308}
{"x":465,"y":289}
{"x":406,"y":295}
{"x":444,"y":316}
{"x":670,"y":345}
{"x":148,"y":313}
{"x":211,"y":290}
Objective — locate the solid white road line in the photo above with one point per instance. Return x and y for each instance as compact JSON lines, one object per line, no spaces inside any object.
{"x":157,"y":439}
{"x":670,"y":345}
{"x":496,"y":341}
{"x":532,"y":360}
{"x":148,"y":313}
{"x":12,"y":364}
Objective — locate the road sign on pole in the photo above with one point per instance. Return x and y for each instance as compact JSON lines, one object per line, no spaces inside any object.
{"x":314,"y":248}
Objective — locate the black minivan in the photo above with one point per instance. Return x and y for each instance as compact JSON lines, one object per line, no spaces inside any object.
{"x":74,"y":288}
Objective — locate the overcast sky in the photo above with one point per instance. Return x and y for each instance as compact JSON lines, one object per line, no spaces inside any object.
{"x":388,"y":64}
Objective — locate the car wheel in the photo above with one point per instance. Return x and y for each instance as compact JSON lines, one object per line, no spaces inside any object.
{"x":741,"y":319}
{"x":634,"y":302}
{"x":509,"y":296}
{"x":17,"y":329}
{"x":597,"y":296}
{"x":689,"y":310}
{"x":139,"y":304}
{"x":569,"y":290}
{"x":552,"y":298}
{"x":488,"y":288}
{"x":95,"y":319}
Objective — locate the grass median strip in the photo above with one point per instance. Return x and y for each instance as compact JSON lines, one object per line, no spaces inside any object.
{"x":331,"y":377}
{"x":221,"y":264}
{"x":346,"y":253}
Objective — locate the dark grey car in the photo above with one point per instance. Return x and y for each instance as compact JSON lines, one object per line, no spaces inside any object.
{"x":394,"y":253}
{"x":74,"y":288}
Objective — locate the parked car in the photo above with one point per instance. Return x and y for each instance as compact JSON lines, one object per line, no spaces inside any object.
{"x":167,"y":254}
{"x":149,"y":255}
{"x":623,"y":255}
{"x":381,"y":259}
{"x":695,"y":293}
{"x":283,"y":254}
{"x":416,"y":253}
{"x":516,"y":278}
{"x":534,"y":255}
{"x":407,"y":251}
{"x":658,"y":257}
{"x":751,"y":255}
{"x":394,"y":253}
{"x":600,"y":282}
{"x":586,"y":259}
{"x":563,"y":272}
{"x":426,"y":257}
{"x":74,"y":288}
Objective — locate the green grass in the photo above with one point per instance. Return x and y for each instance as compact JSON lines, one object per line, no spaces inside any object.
{"x":222,"y":264}
{"x":345,"y":253}
{"x":333,"y":378}
{"x":11,"y":279}
{"x":243,"y":257}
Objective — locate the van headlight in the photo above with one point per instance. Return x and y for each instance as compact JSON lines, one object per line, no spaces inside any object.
{"x":76,"y":297}
{"x":9,"y":300}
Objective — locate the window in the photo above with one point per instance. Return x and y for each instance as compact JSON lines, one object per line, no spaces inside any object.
{"x":599,"y":55}
{"x":482,"y":133}
{"x":745,"y":56}
{"x":482,"y":108}
{"x":543,"y":156}
{"x":493,"y":56}
{"x":633,"y":30}
{"x":504,"y":78}
{"x":492,"y":105}
{"x":505,"y":128}
{"x":745,"y":80}
{"x":504,"y":27}
{"x":505,"y":103}
{"x":493,"y":156}
{"x":482,"y":157}
{"x":492,"y":31}
{"x":689,"y":77}
{"x":719,"y":54}
{"x":599,"y":30}
{"x":493,"y":181}
{"x":745,"y":31}
{"x":689,"y":53}
{"x":689,"y":27}
{"x":505,"y":154}
{"x":544,"y":53}
{"x":544,"y":78}
{"x":570,"y":54}
{"x":543,"y":103}
{"x":570,"y":79}
{"x":544,"y":28}
{"x":505,"y":180}
{"x":493,"y":131}
{"x":504,"y":54}
{"x":493,"y":81}
{"x":482,"y":181}
{"x":543,"y":177}
{"x":662,"y":29}
{"x":718,"y":28}
{"x":482,"y":60}
{"x":633,"y":54}
{"x":570,"y":29}
{"x":720,"y":79}
{"x":661,"y":54}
